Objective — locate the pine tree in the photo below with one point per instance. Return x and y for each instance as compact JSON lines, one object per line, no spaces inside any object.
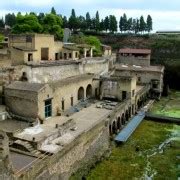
{"x":65,"y":22}
{"x":124,"y":23}
{"x":142,"y":24}
{"x":73,"y":22}
{"x":88,"y":20}
{"x":2,"y":23}
{"x":102,"y":28}
{"x":97,"y":23}
{"x":149,"y":23}
{"x":53,"y":11}
{"x":137,"y":28}
{"x":121,"y":24}
{"x":129,"y":24}
{"x":10,"y":19}
{"x":106,"y":23}
{"x":112,"y":23}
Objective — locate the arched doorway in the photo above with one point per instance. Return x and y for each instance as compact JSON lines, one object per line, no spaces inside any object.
{"x":89,"y":91}
{"x":81,"y":93}
{"x":110,"y":130}
{"x":114,"y":127}
{"x":119,"y":123}
{"x":123,"y":119}
{"x":129,"y":109}
{"x":127,"y":115}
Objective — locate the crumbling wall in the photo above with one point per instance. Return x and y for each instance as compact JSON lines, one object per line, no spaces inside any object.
{"x":49,"y":73}
{"x":82,"y":153}
{"x":5,"y":166}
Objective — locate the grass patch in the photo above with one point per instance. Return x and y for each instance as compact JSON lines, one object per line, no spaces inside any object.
{"x":126,"y":163}
{"x":168,"y":106}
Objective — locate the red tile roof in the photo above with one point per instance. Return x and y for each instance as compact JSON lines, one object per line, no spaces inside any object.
{"x":135,"y":51}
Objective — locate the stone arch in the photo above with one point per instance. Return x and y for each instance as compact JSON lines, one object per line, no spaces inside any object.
{"x":138,"y":104}
{"x":114,"y":127}
{"x":81,"y":93}
{"x":127,"y":115}
{"x":89,"y":91}
{"x":110,"y":130}
{"x":132,"y":107}
{"x":119,"y":123}
{"x":129,"y":111}
{"x":123,"y":119}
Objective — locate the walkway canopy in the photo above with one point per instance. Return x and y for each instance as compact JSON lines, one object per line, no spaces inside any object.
{"x":130,"y":128}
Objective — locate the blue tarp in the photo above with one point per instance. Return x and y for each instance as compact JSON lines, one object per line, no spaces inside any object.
{"x":130,"y":128}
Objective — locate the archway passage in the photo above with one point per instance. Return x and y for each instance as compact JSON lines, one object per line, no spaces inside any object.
{"x":89,"y":91}
{"x":127,"y":115}
{"x":110,"y":130}
{"x":119,"y":123}
{"x":114,"y":127}
{"x":123,"y":119}
{"x":81,"y":93}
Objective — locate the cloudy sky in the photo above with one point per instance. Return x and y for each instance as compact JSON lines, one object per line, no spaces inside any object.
{"x":165,"y":13}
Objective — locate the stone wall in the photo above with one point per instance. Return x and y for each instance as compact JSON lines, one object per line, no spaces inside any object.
{"x":82,"y":153}
{"x":49,"y":73}
{"x":132,"y":60}
{"x":144,"y":77}
{"x":22,"y":103}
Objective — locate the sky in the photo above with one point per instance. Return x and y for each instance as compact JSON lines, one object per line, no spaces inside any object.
{"x":165,"y":13}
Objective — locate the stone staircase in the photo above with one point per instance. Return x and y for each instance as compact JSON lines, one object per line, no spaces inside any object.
{"x":29,"y":148}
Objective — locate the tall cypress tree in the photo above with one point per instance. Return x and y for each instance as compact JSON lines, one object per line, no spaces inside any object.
{"x":112,"y":23}
{"x":106,"y":23}
{"x":53,"y":11}
{"x":142,"y":24}
{"x":88,"y":20}
{"x":121,"y":24}
{"x":149,"y":23}
{"x":124,"y":23}
{"x":97,"y":22}
{"x":73,"y":22}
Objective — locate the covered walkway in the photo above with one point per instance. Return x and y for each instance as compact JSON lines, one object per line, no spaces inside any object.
{"x":130,"y":128}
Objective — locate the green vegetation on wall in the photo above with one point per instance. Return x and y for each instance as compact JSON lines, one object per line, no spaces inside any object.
{"x":91,"y":40}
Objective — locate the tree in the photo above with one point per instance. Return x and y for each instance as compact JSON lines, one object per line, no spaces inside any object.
{"x":82,"y":23}
{"x":53,"y":24}
{"x":129,"y":24}
{"x":53,"y":11}
{"x":149,"y":23}
{"x":65,"y":22}
{"x":2,"y":23}
{"x":142,"y":24}
{"x":88,"y":20}
{"x":10,"y":19}
{"x":91,"y":40}
{"x":97,"y":22}
{"x":112,"y":23}
{"x":106,"y":23}
{"x":41,"y":17}
{"x":27,"y":23}
{"x":121,"y":24}
{"x":124,"y":22}
{"x":94,"y":41}
{"x":102,"y":28}
{"x":137,"y":28}
{"x":73,"y":22}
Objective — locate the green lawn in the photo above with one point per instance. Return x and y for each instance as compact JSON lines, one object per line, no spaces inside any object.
{"x":168,"y":106}
{"x":127,"y":163}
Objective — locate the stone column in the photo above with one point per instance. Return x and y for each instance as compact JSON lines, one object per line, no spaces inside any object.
{"x":91,"y":52}
{"x":85,"y":51}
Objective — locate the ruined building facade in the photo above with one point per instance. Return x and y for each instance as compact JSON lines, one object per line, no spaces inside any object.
{"x":63,"y":104}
